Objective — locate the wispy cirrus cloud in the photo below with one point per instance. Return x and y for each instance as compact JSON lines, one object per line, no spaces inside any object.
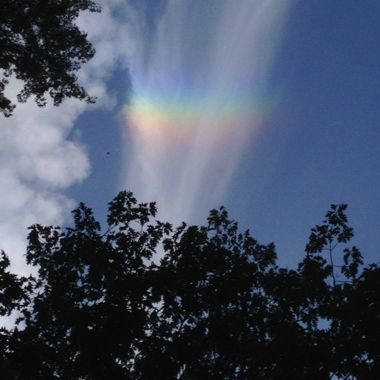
{"x":198,"y":98}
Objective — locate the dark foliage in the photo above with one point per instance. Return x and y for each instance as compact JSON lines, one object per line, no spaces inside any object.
{"x":216,"y":306}
{"x":41,"y":45}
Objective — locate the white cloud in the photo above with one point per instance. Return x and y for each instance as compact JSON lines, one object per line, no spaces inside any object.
{"x":38,"y":160}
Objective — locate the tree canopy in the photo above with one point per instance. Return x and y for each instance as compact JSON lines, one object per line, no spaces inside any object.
{"x":215,"y":306}
{"x":41,"y":45}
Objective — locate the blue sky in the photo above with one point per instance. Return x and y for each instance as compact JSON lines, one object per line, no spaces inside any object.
{"x":325,"y":137}
{"x":268,"y":107}
{"x":322,"y":145}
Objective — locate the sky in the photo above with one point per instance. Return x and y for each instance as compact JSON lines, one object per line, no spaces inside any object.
{"x":267,"y":107}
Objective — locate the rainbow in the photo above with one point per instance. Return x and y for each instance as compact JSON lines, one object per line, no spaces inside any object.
{"x":166,"y":118}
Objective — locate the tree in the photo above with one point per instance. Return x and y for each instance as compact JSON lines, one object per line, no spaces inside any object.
{"x":208,"y":298}
{"x":89,"y":305}
{"x":41,"y":45}
{"x":12,"y":297}
{"x":215,"y":306}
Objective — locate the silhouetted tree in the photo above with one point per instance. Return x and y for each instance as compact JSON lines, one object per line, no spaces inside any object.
{"x":41,"y":45}
{"x":12,"y":297}
{"x":209,"y":299}
{"x":90,"y":303}
{"x":216,"y":306}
